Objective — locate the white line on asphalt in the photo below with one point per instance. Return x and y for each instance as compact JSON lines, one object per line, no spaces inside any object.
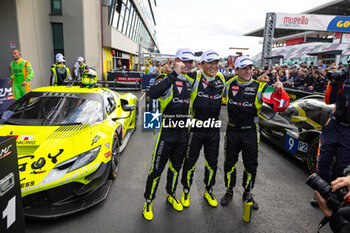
{"x":142,"y":96}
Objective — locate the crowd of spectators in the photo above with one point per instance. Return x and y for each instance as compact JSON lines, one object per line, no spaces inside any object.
{"x":311,"y":78}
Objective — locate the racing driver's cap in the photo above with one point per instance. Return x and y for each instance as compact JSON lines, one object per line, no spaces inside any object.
{"x":242,"y":62}
{"x":59,"y":57}
{"x":278,"y":98}
{"x":185,"y":54}
{"x":209,"y":56}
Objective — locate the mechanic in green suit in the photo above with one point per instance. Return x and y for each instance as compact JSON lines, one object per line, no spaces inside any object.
{"x":21,"y":74}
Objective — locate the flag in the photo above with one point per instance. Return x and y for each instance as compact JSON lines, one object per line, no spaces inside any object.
{"x":278,"y":98}
{"x":26,"y":138}
{"x":268,"y":95}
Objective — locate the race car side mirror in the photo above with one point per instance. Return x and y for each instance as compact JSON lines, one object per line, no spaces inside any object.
{"x":267,"y":112}
{"x":128,"y":107}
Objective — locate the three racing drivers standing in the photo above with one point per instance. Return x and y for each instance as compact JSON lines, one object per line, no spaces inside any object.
{"x":182,"y":93}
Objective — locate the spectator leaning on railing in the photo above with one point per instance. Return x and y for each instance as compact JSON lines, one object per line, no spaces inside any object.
{"x":301,"y":78}
{"x":340,"y":66}
{"x":310,"y":78}
{"x":294,"y":75}
{"x":321,"y":65}
{"x":319,"y":84}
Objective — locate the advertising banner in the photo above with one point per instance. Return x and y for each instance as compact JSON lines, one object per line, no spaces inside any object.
{"x":6,"y":95}
{"x":345,"y":39}
{"x":148,"y":80}
{"x":11,"y":204}
{"x":313,"y":22}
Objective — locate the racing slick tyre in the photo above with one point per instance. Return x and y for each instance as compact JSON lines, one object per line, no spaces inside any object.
{"x":312,"y":155}
{"x":115,"y":158}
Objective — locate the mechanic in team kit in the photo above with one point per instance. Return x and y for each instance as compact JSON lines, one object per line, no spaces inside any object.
{"x":173,"y":92}
{"x":59,"y":71}
{"x":81,"y":68}
{"x":21,"y":74}
{"x":244,"y":101}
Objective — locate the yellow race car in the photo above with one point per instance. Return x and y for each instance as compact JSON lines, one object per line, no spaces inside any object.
{"x":68,"y":143}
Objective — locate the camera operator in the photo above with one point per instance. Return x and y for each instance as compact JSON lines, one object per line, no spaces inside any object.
{"x":338,"y":220}
{"x":334,"y":139}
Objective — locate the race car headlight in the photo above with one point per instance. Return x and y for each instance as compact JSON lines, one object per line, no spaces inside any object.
{"x":84,"y":159}
{"x":79,"y":160}
{"x":70,"y":165}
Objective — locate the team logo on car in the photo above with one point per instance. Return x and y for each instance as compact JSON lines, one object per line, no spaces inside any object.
{"x":39,"y":164}
{"x":151,"y":120}
{"x":26,"y":138}
{"x":5,"y":151}
{"x":235,"y":90}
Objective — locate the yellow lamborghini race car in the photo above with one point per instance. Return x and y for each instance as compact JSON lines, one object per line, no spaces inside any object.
{"x":68,"y":143}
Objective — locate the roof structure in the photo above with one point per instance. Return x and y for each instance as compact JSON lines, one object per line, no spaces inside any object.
{"x":337,"y":7}
{"x":301,"y":51}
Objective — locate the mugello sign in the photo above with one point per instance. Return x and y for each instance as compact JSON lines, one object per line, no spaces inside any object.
{"x":313,"y":22}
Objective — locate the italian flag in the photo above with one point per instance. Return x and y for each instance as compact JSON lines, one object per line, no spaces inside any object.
{"x":268,"y":94}
{"x":26,"y":138}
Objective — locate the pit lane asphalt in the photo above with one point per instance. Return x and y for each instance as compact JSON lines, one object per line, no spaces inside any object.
{"x":280,"y":190}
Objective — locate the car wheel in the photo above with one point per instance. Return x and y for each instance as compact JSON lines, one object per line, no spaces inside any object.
{"x":312,"y":155}
{"x":115,"y":158}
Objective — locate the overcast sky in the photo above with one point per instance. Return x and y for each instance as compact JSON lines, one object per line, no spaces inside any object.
{"x":220,"y":24}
